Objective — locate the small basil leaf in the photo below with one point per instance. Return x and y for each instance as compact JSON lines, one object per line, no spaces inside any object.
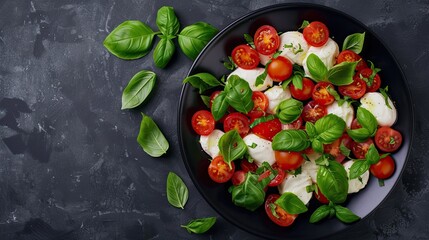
{"x":329,"y":128}
{"x":320,"y":213}
{"x":273,"y":210}
{"x":193,"y":38}
{"x":163,"y":52}
{"x":232,"y":146}
{"x":261,"y":120}
{"x":304,"y":24}
{"x":220,"y":106}
{"x":367,"y":120}
{"x":354,"y":42}
{"x":167,"y":21}
{"x":206,"y":100}
{"x":345,"y":215}
{"x":344,"y":150}
{"x":358,"y":168}
{"x":202,"y":81}
{"x":260,"y":79}
{"x":372,"y":156}
{"x":297,"y":81}
{"x":250,"y":194}
{"x":286,"y":83}
{"x":311,"y":130}
{"x":342,"y":74}
{"x":249,"y":40}
{"x":383,"y":92}
{"x":332,"y":181}
{"x":289,"y":110}
{"x":359,"y":135}
{"x":239,"y":94}
{"x":316,"y":68}
{"x":151,"y":138}
{"x":229,"y":64}
{"x":291,"y":203}
{"x":323,"y":159}
{"x":290,"y":140}
{"x":177,"y":192}
{"x":381,"y":182}
{"x":138,"y":89}
{"x":200,"y":225}
{"x":317,"y":146}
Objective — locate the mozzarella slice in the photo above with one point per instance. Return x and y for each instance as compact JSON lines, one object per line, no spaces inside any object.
{"x":355,"y":185}
{"x":250,"y":76}
{"x":313,"y":156}
{"x":210,"y":142}
{"x":297,"y":185}
{"x":264,"y":59}
{"x":376,"y":104}
{"x":327,"y":53}
{"x":296,"y":41}
{"x":310,"y":168}
{"x":262,"y":152}
{"x":344,"y":111}
{"x":275,"y":96}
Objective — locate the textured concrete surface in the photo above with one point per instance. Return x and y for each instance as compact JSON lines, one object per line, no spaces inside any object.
{"x":70,"y":167}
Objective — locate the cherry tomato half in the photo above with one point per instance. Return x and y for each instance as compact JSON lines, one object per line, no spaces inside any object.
{"x":260,"y":105}
{"x":388,"y":139}
{"x":313,"y":112}
{"x":366,"y":73}
{"x":360,"y":149}
{"x":203,"y":122}
{"x":304,"y":93}
{"x":237,"y":121}
{"x":267,"y":130}
{"x":238,"y":177}
{"x":288,"y":160}
{"x":384,"y":168}
{"x":245,"y":57}
{"x":280,"y":69}
{"x":246,"y":166}
{"x":321,"y":95}
{"x":283,"y":218}
{"x":350,"y":56}
{"x":316,"y":34}
{"x":355,"y":124}
{"x":266,"y":40}
{"x":219,"y":171}
{"x":355,"y":90}
{"x":319,"y":196}
{"x":277,"y":180}
{"x":297,"y":124}
{"x":334,"y":148}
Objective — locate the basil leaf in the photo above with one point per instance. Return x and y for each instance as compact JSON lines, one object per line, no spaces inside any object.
{"x":163,"y":52}
{"x":249,"y":40}
{"x":317,"y":146}
{"x":151,"y":138}
{"x":372,"y":156}
{"x":260,"y":79}
{"x":291,"y":203}
{"x":381,"y":182}
{"x":316,"y":68}
{"x":290,"y":140}
{"x":273,"y":207}
{"x":167,"y":21}
{"x":332,"y":181}
{"x":358,"y":168}
{"x":138,"y":89}
{"x":261,"y":120}
{"x":311,"y":130}
{"x":193,"y":38}
{"x":323,"y":160}
{"x":202,"y":81}
{"x":250,"y":194}
{"x":220,"y":106}
{"x":177,"y":192}
{"x":232,"y":146}
{"x":200,"y":225}
{"x":304,"y":24}
{"x":286,"y":83}
{"x":329,"y":128}
{"x":344,"y":150}
{"x":130,"y":40}
{"x":342,"y":74}
{"x":359,"y":135}
{"x":289,"y":110}
{"x":367,"y":120}
{"x":354,"y":42}
{"x":239,"y":94}
{"x":206,"y":100}
{"x":297,"y":81}
{"x":383,"y":92}
{"x":229,"y":64}
{"x":345,"y":215}
{"x":320,"y":213}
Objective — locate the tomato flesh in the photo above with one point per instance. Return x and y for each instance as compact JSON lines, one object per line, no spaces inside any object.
{"x":288,"y":160}
{"x":388,"y":139}
{"x":350,"y":56}
{"x":297,"y":124}
{"x":334,"y":148}
{"x":313,"y":111}
{"x":237,"y":121}
{"x":360,"y":149}
{"x":246,"y":166}
{"x":321,"y":95}
{"x":219,"y":171}
{"x":277,"y":180}
{"x":266,"y":40}
{"x":284,"y":218}
{"x":384,"y":168}
{"x":365,"y":74}
{"x":355,"y":90}
{"x":267,"y":130}
{"x":203,"y":122}
{"x":280,"y":69}
{"x":245,"y":57}
{"x":304,"y":93}
{"x":355,"y":124}
{"x":238,"y":177}
{"x":316,"y":34}
{"x":320,"y":197}
{"x":260,"y":105}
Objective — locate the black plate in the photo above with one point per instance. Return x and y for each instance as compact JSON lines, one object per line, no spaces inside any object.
{"x":287,"y":17}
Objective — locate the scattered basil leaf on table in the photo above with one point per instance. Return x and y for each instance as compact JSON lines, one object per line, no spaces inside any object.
{"x":167,"y":21}
{"x":333,"y":182}
{"x":291,"y":140}
{"x":354,"y":42}
{"x":289,"y":110}
{"x":220,"y":106}
{"x":291,"y":203}
{"x":138,"y":89}
{"x":177,"y":192}
{"x":151,"y":138}
{"x":193,"y":38}
{"x":239,"y":94}
{"x":163,"y":52}
{"x":232,"y":146}
{"x":200,"y":225}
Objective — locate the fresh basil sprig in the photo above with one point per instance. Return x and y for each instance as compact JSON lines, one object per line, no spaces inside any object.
{"x":239,"y":94}
{"x":354,"y":42}
{"x":193,"y":38}
{"x":340,"y":74}
{"x":369,"y":126}
{"x":291,"y":203}
{"x":202,"y":81}
{"x":333,"y":182}
{"x":325,"y":131}
{"x":232,"y":146}
{"x":138,"y":89}
{"x":177,"y":192}
{"x":296,"y":78}
{"x":289,"y":110}
{"x":250,"y":194}
{"x":200,"y":225}
{"x":360,"y":166}
{"x":291,"y":140}
{"x":167,"y":21}
{"x":342,"y":213}
{"x":151,"y":138}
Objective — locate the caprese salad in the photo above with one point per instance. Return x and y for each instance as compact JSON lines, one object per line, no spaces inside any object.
{"x":297,"y":115}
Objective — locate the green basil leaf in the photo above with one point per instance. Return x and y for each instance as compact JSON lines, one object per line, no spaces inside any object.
{"x":381,"y":182}
{"x":372,"y":156}
{"x":273,"y":207}
{"x":297,"y":81}
{"x":151,"y":138}
{"x":239,"y":94}
{"x":342,"y":74}
{"x":229,"y":64}
{"x":354,"y":42}
{"x":250,"y":194}
{"x":289,"y":110}
{"x":220,"y":106}
{"x":367,"y":120}
{"x":260,"y":79}
{"x":383,"y":92}
{"x":344,"y":150}
{"x":324,"y":159}
{"x":202,"y":81}
{"x":232,"y":146}
{"x":206,"y":100}
{"x":193,"y":38}
{"x":138,"y":89}
{"x":358,"y":168}
{"x":317,"y":146}
{"x":304,"y":24}
{"x":261,"y":120}
{"x":333,"y":182}
{"x":177,"y":192}
{"x":335,"y":95}
{"x":316,"y":68}
{"x":167,"y":21}
{"x":359,"y":135}
{"x":291,"y":203}
{"x":320,"y":213}
{"x":163,"y":52}
{"x":311,"y":130}
{"x":286,"y":83}
{"x":290,"y":140}
{"x":329,"y":128}
{"x":200,"y":225}
{"x":249,"y":40}
{"x":345,"y":215}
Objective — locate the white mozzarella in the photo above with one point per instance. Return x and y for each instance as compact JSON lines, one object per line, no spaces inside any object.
{"x":310,"y":168}
{"x":355,"y":185}
{"x":313,"y":156}
{"x":298,"y":42}
{"x":375,"y":103}
{"x":344,"y":111}
{"x":210,"y":142}
{"x":275,"y":96}
{"x":297,"y":185}
{"x":262,"y":152}
{"x":264,"y":59}
{"x":327,"y":53}
{"x":250,"y":76}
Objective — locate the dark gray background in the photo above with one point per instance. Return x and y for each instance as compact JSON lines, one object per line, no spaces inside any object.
{"x":70,"y":167}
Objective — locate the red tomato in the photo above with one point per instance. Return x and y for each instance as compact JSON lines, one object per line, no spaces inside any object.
{"x":203,"y":122}
{"x":355,"y":90}
{"x":334,"y":148}
{"x":213,"y":96}
{"x":388,"y":139}
{"x":277,"y":180}
{"x":266,"y":40}
{"x":288,"y":160}
{"x":297,"y":124}
{"x":267,"y":130}
{"x":313,"y":112}
{"x":246,"y":166}
{"x":360,"y":149}
{"x":321,"y":95}
{"x":219,"y":171}
{"x":384,"y":168}
{"x":284,"y":218}
{"x":260,"y":105}
{"x":304,"y":93}
{"x":238,"y":177}
{"x":366,"y":73}
{"x":237,"y":121}
{"x":245,"y":57}
{"x":319,"y":196}
{"x":280,"y":69}
{"x":355,"y":124}
{"x":350,"y":56}
{"x":316,"y":34}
